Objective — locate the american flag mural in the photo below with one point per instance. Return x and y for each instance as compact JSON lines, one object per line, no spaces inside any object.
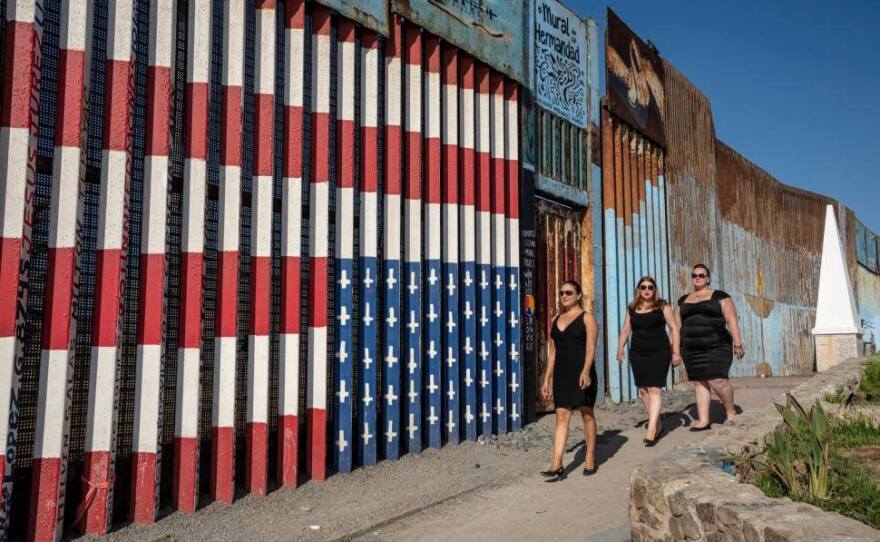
{"x":450,"y":279}
{"x":343,"y":373}
{"x":268,"y":230}
{"x":370,"y":282}
{"x":483,"y":277}
{"x":433,"y":285}
{"x":393,"y":324}
{"x":413,"y":330}
{"x":468,"y":269}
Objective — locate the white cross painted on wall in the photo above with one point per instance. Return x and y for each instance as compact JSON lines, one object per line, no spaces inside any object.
{"x":499,"y":408}
{"x":412,"y":392}
{"x":342,"y":393}
{"x":432,"y":419}
{"x":367,"y":318}
{"x":390,"y":434}
{"x":450,"y":357}
{"x":432,"y":278}
{"x":391,"y":319}
{"x":390,"y":281}
{"x":467,"y":346}
{"x":342,"y":355}
{"x":390,"y":397}
{"x":450,"y":286}
{"x":483,"y":381}
{"x":498,"y":281}
{"x":484,"y":413}
{"x":367,"y":435}
{"x":367,"y":398}
{"x":498,"y":341}
{"x":483,"y":352}
{"x":341,"y":443}
{"x":343,"y":280}
{"x":467,"y":279}
{"x":390,"y":360}
{"x":432,"y":315}
{"x":514,"y":383}
{"x":467,"y":310}
{"x":412,"y":361}
{"x":513,"y":353}
{"x":512,"y":281}
{"x":467,"y":378}
{"x":367,"y":361}
{"x":368,"y":282}
{"x":413,"y":285}
{"x":513,"y":320}
{"x":412,"y":427}
{"x":498,"y":370}
{"x":483,"y":282}
{"x":513,"y":413}
{"x":432,"y":387}
{"x":432,"y":353}
{"x":450,"y":322}
{"x":498,"y":311}
{"x":451,"y":392}
{"x":413,"y":324}
{"x":343,"y":316}
{"x":483,"y":318}
{"x":468,"y":415}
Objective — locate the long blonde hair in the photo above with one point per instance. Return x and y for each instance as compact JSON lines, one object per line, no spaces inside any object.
{"x":657,"y":302}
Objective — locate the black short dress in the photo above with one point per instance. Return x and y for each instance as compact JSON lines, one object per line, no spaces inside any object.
{"x":706,"y":345}
{"x":571,"y":349}
{"x":649,"y":352}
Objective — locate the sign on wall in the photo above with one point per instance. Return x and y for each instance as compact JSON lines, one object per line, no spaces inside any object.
{"x":635,"y":80}
{"x":560,"y":51}
{"x":491,"y":30}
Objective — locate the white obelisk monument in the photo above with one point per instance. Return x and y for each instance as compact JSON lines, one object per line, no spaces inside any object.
{"x":837,"y":332}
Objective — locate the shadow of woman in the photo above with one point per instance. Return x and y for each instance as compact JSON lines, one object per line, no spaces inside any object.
{"x":607,"y":444}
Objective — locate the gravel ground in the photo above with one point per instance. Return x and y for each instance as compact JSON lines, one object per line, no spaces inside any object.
{"x":346,"y":506}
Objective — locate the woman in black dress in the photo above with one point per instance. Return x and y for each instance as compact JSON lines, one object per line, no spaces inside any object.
{"x":570,"y":363}
{"x":710,"y":338}
{"x":650,"y":351}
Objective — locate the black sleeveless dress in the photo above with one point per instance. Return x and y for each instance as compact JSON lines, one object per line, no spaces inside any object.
{"x":571,"y":348}
{"x":649,"y":351}
{"x":706,"y":345}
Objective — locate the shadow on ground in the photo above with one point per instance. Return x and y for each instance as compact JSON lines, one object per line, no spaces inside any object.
{"x":607,"y":444}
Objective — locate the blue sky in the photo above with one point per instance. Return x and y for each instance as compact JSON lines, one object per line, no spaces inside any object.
{"x":794,"y":85}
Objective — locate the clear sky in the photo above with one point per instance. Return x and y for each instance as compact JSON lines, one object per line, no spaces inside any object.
{"x":794,"y":85}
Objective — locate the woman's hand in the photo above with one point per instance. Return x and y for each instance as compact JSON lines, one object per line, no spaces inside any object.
{"x":620,"y":355}
{"x":739,"y":351}
{"x":545,"y":391}
{"x":584,"y":381}
{"x":676,"y":360}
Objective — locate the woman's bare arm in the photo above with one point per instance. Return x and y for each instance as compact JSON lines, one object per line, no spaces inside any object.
{"x":623,"y":337}
{"x":674,"y":333}
{"x":728,"y":308}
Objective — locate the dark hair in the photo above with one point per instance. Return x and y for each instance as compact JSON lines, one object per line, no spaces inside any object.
{"x":577,"y":287}
{"x":656,"y":301}
{"x":702,"y":266}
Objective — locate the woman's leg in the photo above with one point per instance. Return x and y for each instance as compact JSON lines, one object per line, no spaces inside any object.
{"x":724,"y":390}
{"x":560,"y":436}
{"x":589,"y":436}
{"x":645,"y":396}
{"x":704,"y":396}
{"x":655,"y":401}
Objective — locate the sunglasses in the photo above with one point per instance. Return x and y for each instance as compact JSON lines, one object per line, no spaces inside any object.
{"x":698,"y":275}
{"x":563,"y":293}
{"x":648,"y":287}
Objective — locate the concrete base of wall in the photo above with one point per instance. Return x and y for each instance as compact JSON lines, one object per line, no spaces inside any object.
{"x":833,"y":349}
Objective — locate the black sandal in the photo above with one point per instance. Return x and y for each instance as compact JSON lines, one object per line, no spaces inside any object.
{"x":704,"y":428}
{"x":590,"y":472}
{"x":551,"y":473}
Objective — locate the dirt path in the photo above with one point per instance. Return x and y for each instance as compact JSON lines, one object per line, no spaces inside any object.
{"x":487,"y":490}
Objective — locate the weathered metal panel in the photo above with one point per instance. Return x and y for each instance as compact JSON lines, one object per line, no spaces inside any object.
{"x":492,"y":30}
{"x":868,"y":288}
{"x":372,"y":14}
{"x":561,"y":243}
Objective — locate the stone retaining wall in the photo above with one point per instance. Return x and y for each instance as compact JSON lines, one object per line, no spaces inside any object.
{"x":685,"y":495}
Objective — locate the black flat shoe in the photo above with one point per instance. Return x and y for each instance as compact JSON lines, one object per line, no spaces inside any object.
{"x":558,"y":475}
{"x":590,"y":472}
{"x":660,"y":434}
{"x":704,"y":428}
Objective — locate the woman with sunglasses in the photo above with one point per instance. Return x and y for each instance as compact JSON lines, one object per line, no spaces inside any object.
{"x":710,"y":338}
{"x":570,"y":363}
{"x":647,"y":318}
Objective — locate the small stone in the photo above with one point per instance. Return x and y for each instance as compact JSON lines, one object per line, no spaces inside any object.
{"x":476,"y":465}
{"x":305,"y":508}
{"x":314,"y":527}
